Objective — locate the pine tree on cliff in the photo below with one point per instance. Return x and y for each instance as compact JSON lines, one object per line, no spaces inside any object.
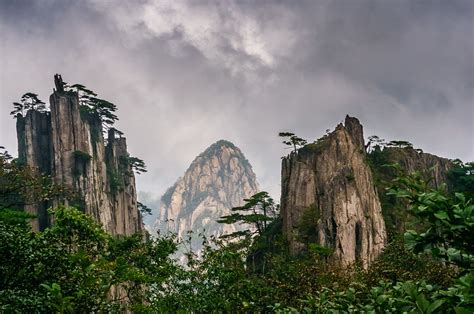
{"x":258,"y":211}
{"x":292,"y":140}
{"x":28,"y":101}
{"x":91,"y":104}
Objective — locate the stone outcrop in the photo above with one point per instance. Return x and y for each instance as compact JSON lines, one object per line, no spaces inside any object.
{"x":69,"y":146}
{"x":329,"y":198}
{"x":34,"y":148}
{"x":433,"y":169}
{"x":412,"y":160}
{"x":217,"y":180}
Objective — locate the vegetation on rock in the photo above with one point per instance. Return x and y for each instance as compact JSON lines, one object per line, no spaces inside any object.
{"x":75,"y":265}
{"x":28,"y":101}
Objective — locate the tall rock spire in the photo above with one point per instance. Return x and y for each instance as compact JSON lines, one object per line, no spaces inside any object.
{"x":69,"y":146}
{"x":329,"y":198}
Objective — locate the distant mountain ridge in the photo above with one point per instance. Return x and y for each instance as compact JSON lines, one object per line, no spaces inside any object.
{"x":217,"y":180}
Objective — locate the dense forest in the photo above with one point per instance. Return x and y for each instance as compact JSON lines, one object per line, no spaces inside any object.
{"x":75,"y":266}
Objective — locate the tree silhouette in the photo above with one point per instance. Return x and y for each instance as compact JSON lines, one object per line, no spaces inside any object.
{"x":137,"y":164}
{"x":259,"y":210}
{"x":91,"y":104}
{"x":373,"y":142}
{"x":400,"y":144}
{"x":28,"y":101}
{"x":292,"y":140}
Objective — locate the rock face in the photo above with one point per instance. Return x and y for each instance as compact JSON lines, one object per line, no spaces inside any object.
{"x":70,"y":147}
{"x":433,"y":169}
{"x":329,"y":198}
{"x":217,"y":180}
{"x":412,"y":160}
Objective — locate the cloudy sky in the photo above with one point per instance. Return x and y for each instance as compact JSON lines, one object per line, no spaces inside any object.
{"x":185,"y":74}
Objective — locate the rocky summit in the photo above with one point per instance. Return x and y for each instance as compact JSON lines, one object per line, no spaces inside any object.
{"x":68,"y":145}
{"x":329,"y":198}
{"x":217,"y":180}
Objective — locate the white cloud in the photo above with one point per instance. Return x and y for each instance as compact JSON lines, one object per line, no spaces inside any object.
{"x":222,"y":32}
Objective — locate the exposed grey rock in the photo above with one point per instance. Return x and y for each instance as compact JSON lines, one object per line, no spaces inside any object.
{"x":411,"y":160}
{"x":70,"y":147}
{"x":330,"y":181}
{"x":34,"y":147}
{"x":217,"y":180}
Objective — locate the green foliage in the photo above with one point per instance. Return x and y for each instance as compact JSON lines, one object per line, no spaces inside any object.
{"x":374,"y":142}
{"x":20,"y":185}
{"x":15,"y":217}
{"x":28,"y":101}
{"x":258,"y":211}
{"x":144,"y":209}
{"x":90,"y":104}
{"x":116,"y":183}
{"x":449,"y":221}
{"x":290,"y":139}
{"x":384,"y":170}
{"x":307,"y":228}
{"x":135,"y":163}
{"x":403,"y":297}
{"x":75,"y":265}
{"x":81,"y":156}
{"x":461,"y":178}
{"x":400,"y":144}
{"x":317,"y":145}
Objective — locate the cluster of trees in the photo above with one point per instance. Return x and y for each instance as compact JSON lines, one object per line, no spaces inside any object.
{"x":376,"y":143}
{"x":89,"y":103}
{"x":76,"y":266}
{"x":28,"y":101}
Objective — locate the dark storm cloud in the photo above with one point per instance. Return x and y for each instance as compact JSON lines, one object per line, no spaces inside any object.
{"x":187,"y":73}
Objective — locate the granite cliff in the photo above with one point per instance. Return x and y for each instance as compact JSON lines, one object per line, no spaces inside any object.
{"x":434,"y":170}
{"x":69,"y":146}
{"x":334,"y":193}
{"x":217,"y":180}
{"x":329,"y":198}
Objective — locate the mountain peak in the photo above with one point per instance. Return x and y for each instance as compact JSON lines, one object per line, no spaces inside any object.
{"x":218,"y":179}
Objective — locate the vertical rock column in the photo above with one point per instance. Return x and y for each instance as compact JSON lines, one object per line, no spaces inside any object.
{"x":34,"y":150}
{"x":330,"y":183}
{"x":70,"y":147}
{"x":123,"y":195}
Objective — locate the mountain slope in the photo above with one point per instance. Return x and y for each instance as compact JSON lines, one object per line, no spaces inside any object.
{"x":217,"y":180}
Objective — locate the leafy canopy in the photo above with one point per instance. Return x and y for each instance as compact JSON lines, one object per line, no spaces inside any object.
{"x":449,"y":220}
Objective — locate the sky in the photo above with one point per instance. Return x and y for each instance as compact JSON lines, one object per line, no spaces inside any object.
{"x":185,"y":74}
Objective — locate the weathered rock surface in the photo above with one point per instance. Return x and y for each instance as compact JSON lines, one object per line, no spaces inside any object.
{"x":34,"y":147}
{"x":433,"y":169}
{"x":217,"y":180}
{"x":411,"y":160}
{"x":70,"y":147}
{"x":331,"y":182}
